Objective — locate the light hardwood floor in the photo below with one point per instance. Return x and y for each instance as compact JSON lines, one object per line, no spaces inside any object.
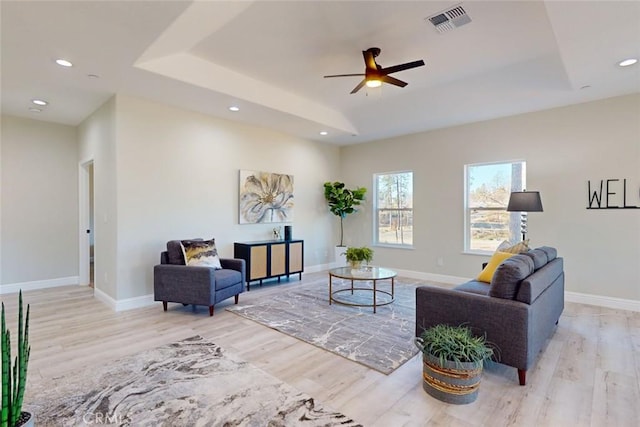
{"x":588,"y":375}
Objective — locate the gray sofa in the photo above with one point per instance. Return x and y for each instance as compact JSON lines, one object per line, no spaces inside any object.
{"x":518,"y":311}
{"x":173,"y":281}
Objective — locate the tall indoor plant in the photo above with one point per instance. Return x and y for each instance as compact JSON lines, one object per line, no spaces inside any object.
{"x":342,"y":201}
{"x":453,"y":359}
{"x":14,"y":380}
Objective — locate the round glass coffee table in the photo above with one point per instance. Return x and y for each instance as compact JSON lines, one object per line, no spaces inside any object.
{"x":367,"y":273}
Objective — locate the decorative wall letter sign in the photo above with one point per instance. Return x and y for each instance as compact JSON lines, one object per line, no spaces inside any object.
{"x":612,"y":194}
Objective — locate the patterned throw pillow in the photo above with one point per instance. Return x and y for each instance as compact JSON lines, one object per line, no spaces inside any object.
{"x":201,"y":253}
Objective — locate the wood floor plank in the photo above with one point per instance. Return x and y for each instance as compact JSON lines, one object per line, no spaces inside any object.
{"x":587,"y":375}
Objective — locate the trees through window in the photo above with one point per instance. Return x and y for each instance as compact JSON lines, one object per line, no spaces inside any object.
{"x":488,"y":186}
{"x":394,"y":208}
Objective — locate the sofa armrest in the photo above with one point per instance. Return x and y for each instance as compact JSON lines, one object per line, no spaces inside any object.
{"x":505,"y":322}
{"x":184,"y":284}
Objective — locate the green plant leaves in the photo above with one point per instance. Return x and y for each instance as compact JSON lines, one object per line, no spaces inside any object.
{"x":455,"y":344}
{"x":342,"y":201}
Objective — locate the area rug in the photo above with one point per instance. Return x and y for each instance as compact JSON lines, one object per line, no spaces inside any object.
{"x":192,"y":382}
{"x":382,"y":341}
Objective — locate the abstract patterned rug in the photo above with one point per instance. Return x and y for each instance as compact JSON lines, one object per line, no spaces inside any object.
{"x":382,"y":341}
{"x":188,"y":383}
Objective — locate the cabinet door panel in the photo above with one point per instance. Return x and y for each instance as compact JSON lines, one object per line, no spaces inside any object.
{"x":258,"y":262}
{"x":278,"y":258}
{"x":295,"y":257}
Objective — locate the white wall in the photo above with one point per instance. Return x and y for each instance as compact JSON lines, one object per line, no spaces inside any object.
{"x":39,"y":203}
{"x":164,"y":173}
{"x":563,"y":149}
{"x":97,"y":143}
{"x":177,"y":177}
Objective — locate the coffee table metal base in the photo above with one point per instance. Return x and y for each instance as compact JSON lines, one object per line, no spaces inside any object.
{"x":341,"y":273}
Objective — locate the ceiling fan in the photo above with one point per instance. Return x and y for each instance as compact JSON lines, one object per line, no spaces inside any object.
{"x":375,"y":75}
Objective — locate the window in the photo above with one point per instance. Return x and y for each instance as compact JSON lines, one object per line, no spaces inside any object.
{"x":393,"y":208}
{"x":488,"y":186}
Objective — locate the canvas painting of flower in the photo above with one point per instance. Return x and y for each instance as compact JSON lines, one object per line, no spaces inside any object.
{"x":265,"y":197}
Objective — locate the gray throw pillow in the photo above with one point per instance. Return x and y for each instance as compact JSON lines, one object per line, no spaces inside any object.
{"x":174,"y":252}
{"x":508,"y":276}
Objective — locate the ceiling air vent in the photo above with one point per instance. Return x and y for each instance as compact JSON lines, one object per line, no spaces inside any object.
{"x":449,"y":19}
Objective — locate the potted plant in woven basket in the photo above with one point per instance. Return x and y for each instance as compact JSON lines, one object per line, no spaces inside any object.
{"x":452,"y":362}
{"x":14,"y":379}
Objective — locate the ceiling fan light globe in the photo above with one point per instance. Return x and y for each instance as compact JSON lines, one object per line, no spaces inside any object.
{"x":374,"y":83}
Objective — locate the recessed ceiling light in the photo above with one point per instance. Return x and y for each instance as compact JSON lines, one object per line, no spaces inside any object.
{"x":39,"y":102}
{"x":627,"y":62}
{"x":64,"y":63}
{"x":324,"y":132}
{"x":35,"y":110}
{"x":234,"y":108}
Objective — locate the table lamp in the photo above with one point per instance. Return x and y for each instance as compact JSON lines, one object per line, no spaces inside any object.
{"x":524,"y":201}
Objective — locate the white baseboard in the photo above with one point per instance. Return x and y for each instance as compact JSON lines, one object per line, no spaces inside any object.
{"x":38,"y":284}
{"x":123,"y":304}
{"x":432,"y":277}
{"x":104,"y":298}
{"x":147,"y":300}
{"x":318,"y":268}
{"x":602,"y":301}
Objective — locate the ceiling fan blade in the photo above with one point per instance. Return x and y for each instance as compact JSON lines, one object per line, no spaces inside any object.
{"x":393,"y":81}
{"x":357,"y":88}
{"x":402,"y":67}
{"x":344,"y":75}
{"x":369,"y":60}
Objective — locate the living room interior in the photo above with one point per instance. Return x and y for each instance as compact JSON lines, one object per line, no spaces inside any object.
{"x":141,"y":125}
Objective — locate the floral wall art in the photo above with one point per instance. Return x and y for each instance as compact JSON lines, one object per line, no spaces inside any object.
{"x":265,"y":197}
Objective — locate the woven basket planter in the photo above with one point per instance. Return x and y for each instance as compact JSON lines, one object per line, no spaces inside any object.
{"x":456,"y":383}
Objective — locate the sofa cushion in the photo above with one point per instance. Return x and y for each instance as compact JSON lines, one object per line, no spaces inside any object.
{"x":534,"y":285}
{"x":474,"y":287}
{"x":487,"y":273}
{"x":509,"y":275}
{"x":202,"y":253}
{"x":552,"y":253}
{"x":538,"y":256}
{"x":226,"y":278}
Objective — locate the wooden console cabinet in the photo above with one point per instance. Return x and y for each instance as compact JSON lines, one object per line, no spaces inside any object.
{"x":270,"y":258}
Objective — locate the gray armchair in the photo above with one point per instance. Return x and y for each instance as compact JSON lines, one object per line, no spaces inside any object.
{"x":174,"y":281}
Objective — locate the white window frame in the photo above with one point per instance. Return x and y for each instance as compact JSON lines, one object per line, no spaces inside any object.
{"x":376,"y":209}
{"x":515,"y":216}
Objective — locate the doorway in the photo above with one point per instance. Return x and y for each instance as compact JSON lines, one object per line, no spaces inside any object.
{"x":87,"y":242}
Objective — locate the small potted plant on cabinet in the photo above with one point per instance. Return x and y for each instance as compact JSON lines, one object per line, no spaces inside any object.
{"x":14,"y":380}
{"x":355,"y":256}
{"x":452,"y":362}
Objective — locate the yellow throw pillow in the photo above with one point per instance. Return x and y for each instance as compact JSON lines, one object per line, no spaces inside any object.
{"x":496,"y":259}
